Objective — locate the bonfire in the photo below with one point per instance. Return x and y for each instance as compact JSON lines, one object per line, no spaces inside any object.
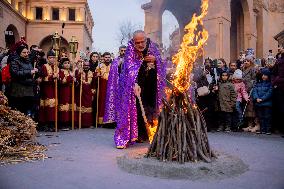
{"x":181,"y":133}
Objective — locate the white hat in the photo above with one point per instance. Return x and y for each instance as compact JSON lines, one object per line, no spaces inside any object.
{"x":238,"y":74}
{"x":249,"y":57}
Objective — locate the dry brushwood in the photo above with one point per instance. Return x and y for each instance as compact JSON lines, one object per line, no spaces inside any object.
{"x":181,"y":133}
{"x":17,"y":136}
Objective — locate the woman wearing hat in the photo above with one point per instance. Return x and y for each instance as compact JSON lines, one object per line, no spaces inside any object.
{"x":249,"y":78}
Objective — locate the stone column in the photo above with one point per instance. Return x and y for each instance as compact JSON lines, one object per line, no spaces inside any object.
{"x":33,"y":13}
{"x":251,"y":35}
{"x":28,"y":10}
{"x":63,"y":14}
{"x":223,"y":37}
{"x":77,"y":14}
{"x":80,"y":14}
{"x":153,"y":23}
{"x":13,"y":3}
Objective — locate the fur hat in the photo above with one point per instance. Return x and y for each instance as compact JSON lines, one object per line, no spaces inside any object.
{"x":238,"y":74}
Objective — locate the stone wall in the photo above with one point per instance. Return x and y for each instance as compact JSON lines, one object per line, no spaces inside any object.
{"x":261,"y":21}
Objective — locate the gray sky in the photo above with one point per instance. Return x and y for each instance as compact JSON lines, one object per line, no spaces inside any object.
{"x":109,"y":14}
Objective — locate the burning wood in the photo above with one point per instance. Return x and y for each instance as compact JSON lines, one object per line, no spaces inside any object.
{"x":181,"y":134}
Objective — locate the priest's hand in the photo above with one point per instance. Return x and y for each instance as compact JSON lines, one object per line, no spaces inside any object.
{"x":137,"y":90}
{"x":150,"y":65}
{"x":150,"y":58}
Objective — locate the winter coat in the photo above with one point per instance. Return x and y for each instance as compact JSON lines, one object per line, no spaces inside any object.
{"x":278,"y":74}
{"x":227,"y":97}
{"x":249,"y":77}
{"x":22,"y":80}
{"x":263,"y":90}
{"x":240,"y":89}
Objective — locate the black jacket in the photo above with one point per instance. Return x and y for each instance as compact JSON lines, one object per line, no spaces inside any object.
{"x":22,"y":79}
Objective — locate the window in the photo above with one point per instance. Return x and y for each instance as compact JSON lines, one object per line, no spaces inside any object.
{"x":38,"y":13}
{"x":55,"y":13}
{"x":72,"y":14}
{"x":20,"y":7}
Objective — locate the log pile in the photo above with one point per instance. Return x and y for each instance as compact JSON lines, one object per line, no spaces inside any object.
{"x":17,"y":136}
{"x":181,"y":134}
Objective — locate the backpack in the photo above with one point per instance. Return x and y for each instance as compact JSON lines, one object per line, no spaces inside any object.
{"x":6,"y":76}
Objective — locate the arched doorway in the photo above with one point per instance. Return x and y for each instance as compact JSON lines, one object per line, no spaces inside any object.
{"x":170,"y":34}
{"x":237,"y":29}
{"x":181,"y":9}
{"x":46,"y":44}
{"x":11,"y":36}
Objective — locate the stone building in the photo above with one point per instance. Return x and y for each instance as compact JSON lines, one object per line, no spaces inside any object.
{"x":233,"y":25}
{"x":37,"y":21}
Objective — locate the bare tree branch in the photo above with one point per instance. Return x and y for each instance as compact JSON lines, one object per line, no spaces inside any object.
{"x":125,"y":31}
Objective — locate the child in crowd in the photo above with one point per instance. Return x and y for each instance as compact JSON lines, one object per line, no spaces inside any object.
{"x":242,"y":94}
{"x":227,"y":102}
{"x":262,"y":96}
{"x":66,"y":78}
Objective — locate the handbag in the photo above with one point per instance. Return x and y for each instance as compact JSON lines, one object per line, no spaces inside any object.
{"x":203,"y":91}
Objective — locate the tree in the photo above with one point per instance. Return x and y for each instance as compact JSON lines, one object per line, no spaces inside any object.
{"x":126,"y":30}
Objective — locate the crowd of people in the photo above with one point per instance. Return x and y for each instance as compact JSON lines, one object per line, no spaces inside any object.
{"x":243,"y":95}
{"x":34,"y":83}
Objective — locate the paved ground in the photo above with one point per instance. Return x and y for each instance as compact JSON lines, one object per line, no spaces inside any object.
{"x":86,"y":159}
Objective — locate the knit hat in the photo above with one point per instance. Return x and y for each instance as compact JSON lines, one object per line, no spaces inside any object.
{"x":250,"y":52}
{"x":249,"y":57}
{"x":20,"y":49}
{"x":266,"y":71}
{"x":238,"y":74}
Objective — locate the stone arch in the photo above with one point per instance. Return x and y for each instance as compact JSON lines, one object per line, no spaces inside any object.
{"x":170,"y":33}
{"x":11,"y":35}
{"x":240,"y":27}
{"x":46,"y":44}
{"x":182,"y":10}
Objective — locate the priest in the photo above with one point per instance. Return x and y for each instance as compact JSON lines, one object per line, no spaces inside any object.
{"x":142,"y":76}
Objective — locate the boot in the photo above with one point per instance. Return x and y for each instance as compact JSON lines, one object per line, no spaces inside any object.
{"x":255,"y":128}
{"x":220,"y":128}
{"x":247,"y":129}
{"x":250,"y":126}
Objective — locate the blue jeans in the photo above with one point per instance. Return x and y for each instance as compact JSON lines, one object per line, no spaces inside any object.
{"x":264,"y":115}
{"x":239,"y":111}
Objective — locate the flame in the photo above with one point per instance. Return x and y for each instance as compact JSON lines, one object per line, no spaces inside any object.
{"x":191,"y":45}
{"x":190,"y":49}
{"x":151,"y":130}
